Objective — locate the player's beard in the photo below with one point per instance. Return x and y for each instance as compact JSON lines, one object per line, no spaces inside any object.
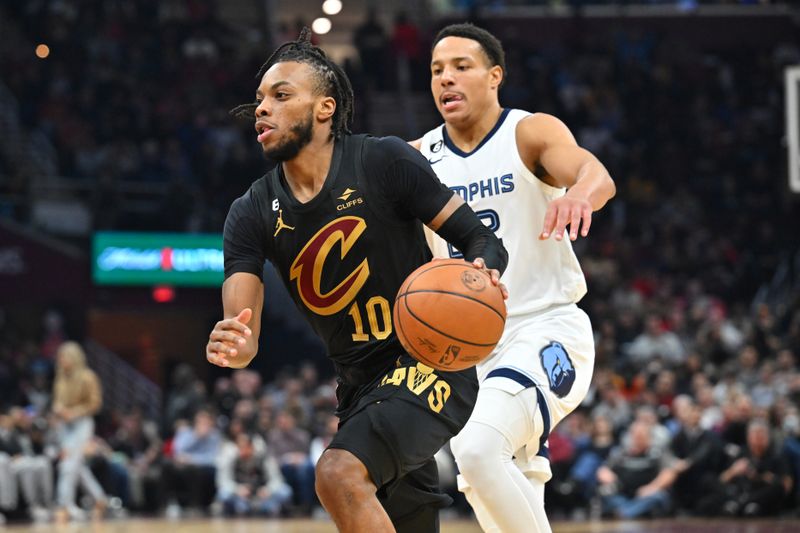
{"x":299,"y":136}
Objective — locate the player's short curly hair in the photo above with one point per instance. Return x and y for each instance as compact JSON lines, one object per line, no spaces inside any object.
{"x":331,"y":80}
{"x":490,"y":45}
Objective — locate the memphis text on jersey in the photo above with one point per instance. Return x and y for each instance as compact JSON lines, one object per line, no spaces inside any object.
{"x":483,"y":188}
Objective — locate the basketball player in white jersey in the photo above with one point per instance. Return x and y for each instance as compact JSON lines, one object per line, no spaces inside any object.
{"x":526,"y":176}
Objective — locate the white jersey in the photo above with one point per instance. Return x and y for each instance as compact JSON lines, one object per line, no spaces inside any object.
{"x":512,"y":201}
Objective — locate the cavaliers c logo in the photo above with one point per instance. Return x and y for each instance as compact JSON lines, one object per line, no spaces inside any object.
{"x":306,"y":269}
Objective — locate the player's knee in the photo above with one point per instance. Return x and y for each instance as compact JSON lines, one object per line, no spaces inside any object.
{"x":340,"y":474}
{"x":474,"y":464}
{"x":476,"y":455}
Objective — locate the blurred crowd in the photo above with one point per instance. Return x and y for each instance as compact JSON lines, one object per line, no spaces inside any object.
{"x":238,"y":447}
{"x":694,"y":403}
{"x":694,"y":413}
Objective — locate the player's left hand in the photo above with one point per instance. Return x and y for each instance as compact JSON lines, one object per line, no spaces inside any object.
{"x":493,"y":273}
{"x":563,"y":211}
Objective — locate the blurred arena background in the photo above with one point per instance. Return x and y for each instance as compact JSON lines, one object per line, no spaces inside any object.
{"x":118,"y":162}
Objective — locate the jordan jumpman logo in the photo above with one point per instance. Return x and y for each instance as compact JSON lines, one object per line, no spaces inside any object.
{"x":280,"y":224}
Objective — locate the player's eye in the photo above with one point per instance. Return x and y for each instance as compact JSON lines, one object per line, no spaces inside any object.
{"x":280,"y":95}
{"x":462,"y":67}
{"x":436,"y":71}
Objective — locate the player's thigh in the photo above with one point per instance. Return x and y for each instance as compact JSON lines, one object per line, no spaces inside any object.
{"x":511,"y":415}
{"x":400,"y":433}
{"x":553,"y":351}
{"x":564,"y":344}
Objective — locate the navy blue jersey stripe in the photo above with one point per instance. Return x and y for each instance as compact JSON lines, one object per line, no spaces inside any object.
{"x":527,"y":382}
{"x":459,"y":152}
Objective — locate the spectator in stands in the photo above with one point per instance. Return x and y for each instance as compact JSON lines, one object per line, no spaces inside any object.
{"x":756,"y":482}
{"x":371,"y":41}
{"x":407,"y":51}
{"x":737,"y":412}
{"x":9,"y":449}
{"x":137,"y":440}
{"x":186,"y":395}
{"x":76,"y":399}
{"x":189,"y":476}
{"x":657,"y":342}
{"x":791,"y":446}
{"x":659,"y":435}
{"x":321,"y":441}
{"x":291,"y":445}
{"x":253,"y":483}
{"x":635,"y":480}
{"x":33,"y":469}
{"x":698,"y":453}
{"x":582,"y":479}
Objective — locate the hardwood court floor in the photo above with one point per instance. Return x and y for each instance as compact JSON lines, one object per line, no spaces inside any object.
{"x":448,"y":526}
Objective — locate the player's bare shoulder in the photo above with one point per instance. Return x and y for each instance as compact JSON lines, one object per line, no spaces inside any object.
{"x":536,"y":132}
{"x":417,"y":143}
{"x":542,"y":129}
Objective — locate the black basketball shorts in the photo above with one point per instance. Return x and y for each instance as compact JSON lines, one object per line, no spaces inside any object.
{"x":395,"y":434}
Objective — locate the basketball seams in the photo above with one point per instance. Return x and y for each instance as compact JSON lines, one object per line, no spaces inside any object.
{"x":442,"y":264}
{"x":442,"y":333}
{"x":460,"y":295}
{"x":424,"y":333}
{"x":420,"y":357}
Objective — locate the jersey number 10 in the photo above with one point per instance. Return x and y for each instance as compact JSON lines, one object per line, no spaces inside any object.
{"x":375,"y":305}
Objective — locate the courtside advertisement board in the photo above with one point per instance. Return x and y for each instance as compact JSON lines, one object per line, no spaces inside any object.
{"x":148,"y":259}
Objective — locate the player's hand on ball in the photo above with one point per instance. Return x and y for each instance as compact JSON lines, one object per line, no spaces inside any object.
{"x":227,"y":337}
{"x":563,"y":211}
{"x":494,"y":274}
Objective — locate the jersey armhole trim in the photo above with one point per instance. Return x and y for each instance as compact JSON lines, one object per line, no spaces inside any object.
{"x":522,"y":168}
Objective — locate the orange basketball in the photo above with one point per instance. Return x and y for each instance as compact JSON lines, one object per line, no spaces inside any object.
{"x":448,"y":315}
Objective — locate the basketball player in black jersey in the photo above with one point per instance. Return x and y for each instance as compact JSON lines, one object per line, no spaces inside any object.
{"x":341,"y":219}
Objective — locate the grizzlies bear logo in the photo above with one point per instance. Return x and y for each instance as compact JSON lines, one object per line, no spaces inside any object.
{"x":558,"y":367}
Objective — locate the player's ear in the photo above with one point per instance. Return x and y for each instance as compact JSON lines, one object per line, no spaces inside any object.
{"x":496,"y":75}
{"x":326,"y":107}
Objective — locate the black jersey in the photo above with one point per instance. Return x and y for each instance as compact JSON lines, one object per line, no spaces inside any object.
{"x":344,"y":254}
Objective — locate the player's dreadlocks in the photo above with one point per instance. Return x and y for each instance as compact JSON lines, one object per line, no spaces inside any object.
{"x":331,"y":80}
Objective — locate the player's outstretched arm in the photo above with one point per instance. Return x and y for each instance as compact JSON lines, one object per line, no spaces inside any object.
{"x":234,"y":340}
{"x":549,"y":149}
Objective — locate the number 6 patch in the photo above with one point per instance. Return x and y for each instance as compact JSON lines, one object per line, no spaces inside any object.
{"x":558,"y":367}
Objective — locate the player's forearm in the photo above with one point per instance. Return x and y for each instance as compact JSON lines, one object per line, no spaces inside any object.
{"x":464,"y":230}
{"x":594,"y":184}
{"x":241,"y":292}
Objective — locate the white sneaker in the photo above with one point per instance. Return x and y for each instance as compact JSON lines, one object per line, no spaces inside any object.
{"x":173,"y":511}
{"x":39,"y":514}
{"x":76,"y":513}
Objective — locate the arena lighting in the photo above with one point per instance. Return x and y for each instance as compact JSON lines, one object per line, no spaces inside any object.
{"x":331,"y":7}
{"x":42,"y":51}
{"x":321,"y":26}
{"x":163,"y":294}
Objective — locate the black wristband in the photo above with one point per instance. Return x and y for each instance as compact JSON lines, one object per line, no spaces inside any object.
{"x":464,"y":230}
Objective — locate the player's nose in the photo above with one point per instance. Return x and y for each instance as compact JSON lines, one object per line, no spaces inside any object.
{"x":447,"y":76}
{"x":263,"y":109}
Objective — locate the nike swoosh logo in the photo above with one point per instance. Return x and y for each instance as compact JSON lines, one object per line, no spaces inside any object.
{"x":434,"y":162}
